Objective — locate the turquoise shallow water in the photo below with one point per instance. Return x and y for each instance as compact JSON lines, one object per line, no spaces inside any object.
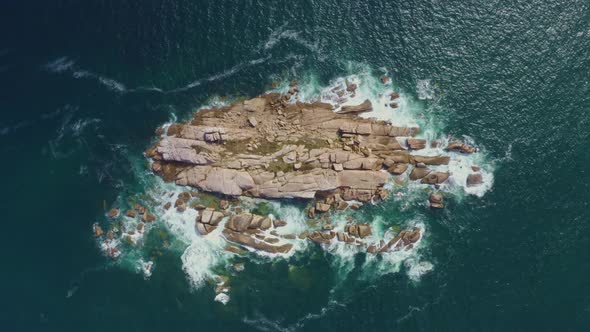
{"x":83,"y":86}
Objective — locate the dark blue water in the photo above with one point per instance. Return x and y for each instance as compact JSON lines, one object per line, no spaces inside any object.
{"x":83,"y":85}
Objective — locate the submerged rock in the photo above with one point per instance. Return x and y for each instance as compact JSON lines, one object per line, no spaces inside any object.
{"x":321,"y":207}
{"x":98,"y":232}
{"x":431,"y":160}
{"x":113,"y":213}
{"x":359,"y":230}
{"x":436,"y":201}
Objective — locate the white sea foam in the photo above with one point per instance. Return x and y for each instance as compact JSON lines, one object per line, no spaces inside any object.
{"x":222,"y":298}
{"x":145,"y":268}
{"x":424,"y":89}
{"x":416,"y":269}
{"x":202,"y":253}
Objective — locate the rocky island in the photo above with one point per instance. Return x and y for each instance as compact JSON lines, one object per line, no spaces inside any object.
{"x":225,"y":163}
{"x":273,"y":148}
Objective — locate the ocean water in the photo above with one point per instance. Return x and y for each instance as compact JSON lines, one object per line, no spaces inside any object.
{"x":83,"y":85}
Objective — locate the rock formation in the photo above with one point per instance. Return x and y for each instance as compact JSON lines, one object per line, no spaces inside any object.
{"x":269,"y":148}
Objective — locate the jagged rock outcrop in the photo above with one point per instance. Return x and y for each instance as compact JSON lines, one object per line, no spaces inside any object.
{"x":265,"y":147}
{"x":461,"y":147}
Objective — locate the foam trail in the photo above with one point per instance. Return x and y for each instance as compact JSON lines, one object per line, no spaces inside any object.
{"x":59,"y":65}
{"x":64,"y":64}
{"x":226,"y":73}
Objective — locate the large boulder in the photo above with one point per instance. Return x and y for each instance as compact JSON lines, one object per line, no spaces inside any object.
{"x":255,"y":105}
{"x":359,"y":230}
{"x":474,"y":180}
{"x":364,"y":107}
{"x":416,"y":144}
{"x":431,"y":160}
{"x":240,"y":222}
{"x":279,"y":223}
{"x":411,"y":237}
{"x":435,"y":178}
{"x":418,"y":173}
{"x":436,"y":201}
{"x":148,"y":217}
{"x":397,"y":169}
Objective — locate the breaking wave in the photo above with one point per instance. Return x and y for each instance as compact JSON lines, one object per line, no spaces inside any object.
{"x":66,"y":65}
